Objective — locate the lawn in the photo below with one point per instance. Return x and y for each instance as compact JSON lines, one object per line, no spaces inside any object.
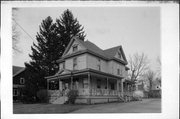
{"x":44,"y":108}
{"x":144,"y":106}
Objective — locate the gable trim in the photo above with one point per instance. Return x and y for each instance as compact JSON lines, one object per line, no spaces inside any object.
{"x":19,"y":72}
{"x":70,"y":44}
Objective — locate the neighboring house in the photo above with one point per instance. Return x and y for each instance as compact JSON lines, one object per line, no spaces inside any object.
{"x":98,"y":75}
{"x":18,"y":82}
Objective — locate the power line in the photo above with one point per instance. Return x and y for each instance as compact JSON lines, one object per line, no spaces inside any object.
{"x":24,"y":30}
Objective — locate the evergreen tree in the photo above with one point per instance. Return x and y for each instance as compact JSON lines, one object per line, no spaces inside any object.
{"x":68,"y":27}
{"x":52,"y":40}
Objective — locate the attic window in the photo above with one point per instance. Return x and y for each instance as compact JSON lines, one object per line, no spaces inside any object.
{"x":75,"y":48}
{"x":119,"y":54}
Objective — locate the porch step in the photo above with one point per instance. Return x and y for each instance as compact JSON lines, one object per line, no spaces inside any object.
{"x":60,"y":100}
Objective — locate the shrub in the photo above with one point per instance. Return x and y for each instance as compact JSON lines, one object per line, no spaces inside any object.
{"x":154,"y":94}
{"x":72,"y":95}
{"x":42,"y":95}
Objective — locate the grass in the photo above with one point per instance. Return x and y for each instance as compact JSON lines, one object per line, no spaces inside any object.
{"x":44,"y":108}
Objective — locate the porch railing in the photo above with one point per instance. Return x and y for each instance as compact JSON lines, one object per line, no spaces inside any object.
{"x":54,"y":93}
{"x":92,"y":92}
{"x":99,"y":92}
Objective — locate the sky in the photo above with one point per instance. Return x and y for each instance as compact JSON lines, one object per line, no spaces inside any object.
{"x":137,"y":29}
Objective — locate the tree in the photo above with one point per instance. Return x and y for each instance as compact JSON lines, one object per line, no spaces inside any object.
{"x":138,"y":66}
{"x":159,"y":69}
{"x":52,"y":40}
{"x":150,"y":75}
{"x":68,"y":27}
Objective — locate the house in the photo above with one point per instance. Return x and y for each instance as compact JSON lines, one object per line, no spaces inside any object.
{"x":18,"y":82}
{"x":98,"y":75}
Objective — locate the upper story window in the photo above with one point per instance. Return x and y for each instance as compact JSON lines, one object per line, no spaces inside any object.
{"x":99,"y":64}
{"x":74,"y":63}
{"x":75,"y":48}
{"x":22,"y":80}
{"x":118,"y":71}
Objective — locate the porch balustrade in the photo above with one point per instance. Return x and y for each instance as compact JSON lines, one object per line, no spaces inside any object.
{"x":99,"y":92}
{"x":54,"y":93}
{"x":92,"y":92}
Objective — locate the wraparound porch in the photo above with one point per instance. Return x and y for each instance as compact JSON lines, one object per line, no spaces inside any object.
{"x":90,"y":84}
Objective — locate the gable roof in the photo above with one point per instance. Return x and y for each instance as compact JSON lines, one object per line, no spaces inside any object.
{"x":17,"y":70}
{"x":92,"y":47}
{"x":111,"y":52}
{"x":89,"y":46}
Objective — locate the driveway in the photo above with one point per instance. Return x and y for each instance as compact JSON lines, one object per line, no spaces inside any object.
{"x":145,"y":106}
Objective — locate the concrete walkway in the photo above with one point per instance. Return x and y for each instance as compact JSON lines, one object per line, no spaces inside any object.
{"x":145,"y":106}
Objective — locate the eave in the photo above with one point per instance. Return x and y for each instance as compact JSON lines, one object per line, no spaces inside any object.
{"x":83,"y":72}
{"x":90,"y":52}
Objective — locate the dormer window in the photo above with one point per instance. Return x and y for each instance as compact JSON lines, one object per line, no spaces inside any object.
{"x":22,"y":81}
{"x":75,"y":48}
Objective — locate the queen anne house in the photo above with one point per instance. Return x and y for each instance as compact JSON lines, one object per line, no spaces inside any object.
{"x":98,"y":75}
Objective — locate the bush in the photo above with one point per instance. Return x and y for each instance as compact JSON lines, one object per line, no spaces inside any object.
{"x":42,"y":95}
{"x":72,"y":95}
{"x":154,"y":94}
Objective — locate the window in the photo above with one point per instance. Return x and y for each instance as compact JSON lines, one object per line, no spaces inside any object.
{"x":119,"y":55}
{"x":15,"y":92}
{"x":99,"y":64}
{"x":112,"y":86}
{"x":75,"y":48}
{"x":85,"y":83}
{"x":118,"y":71}
{"x":74,"y":63}
{"x":98,"y":83}
{"x":22,"y":81}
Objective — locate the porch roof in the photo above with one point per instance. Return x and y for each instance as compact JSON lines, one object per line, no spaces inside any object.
{"x":83,"y":72}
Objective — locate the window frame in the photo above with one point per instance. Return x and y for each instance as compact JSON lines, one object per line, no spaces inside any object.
{"x":74,"y":63}
{"x":22,"y":80}
{"x":99,"y":64}
{"x":15,"y":90}
{"x":75,"y":48}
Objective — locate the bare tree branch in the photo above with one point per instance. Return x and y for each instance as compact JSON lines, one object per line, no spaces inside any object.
{"x":138,"y":65}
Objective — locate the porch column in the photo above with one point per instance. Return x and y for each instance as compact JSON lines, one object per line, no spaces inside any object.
{"x":60,"y":85}
{"x":107,"y":84}
{"x":89,"y":83}
{"x":122,"y":87}
{"x":117,"y":82}
{"x":71,"y":82}
{"x":47,"y":84}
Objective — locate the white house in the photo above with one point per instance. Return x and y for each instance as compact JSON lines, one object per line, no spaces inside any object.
{"x":98,"y":75}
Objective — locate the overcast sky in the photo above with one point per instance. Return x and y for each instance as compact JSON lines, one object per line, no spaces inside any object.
{"x":137,"y":29}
